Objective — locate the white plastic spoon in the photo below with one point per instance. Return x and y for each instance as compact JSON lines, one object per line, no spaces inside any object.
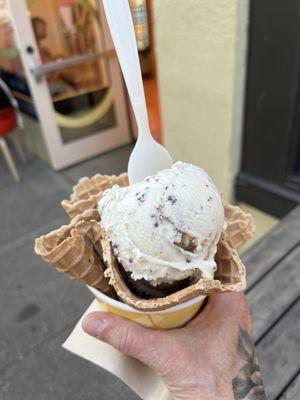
{"x":148,"y":156}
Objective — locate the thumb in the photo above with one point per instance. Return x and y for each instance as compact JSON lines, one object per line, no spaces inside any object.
{"x":126,"y":336}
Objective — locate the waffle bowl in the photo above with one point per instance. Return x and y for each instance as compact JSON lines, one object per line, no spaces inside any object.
{"x":76,"y":250}
{"x":88,"y":192}
{"x":83,"y":251}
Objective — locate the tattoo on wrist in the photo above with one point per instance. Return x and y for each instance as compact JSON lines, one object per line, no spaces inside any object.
{"x":248,"y":384}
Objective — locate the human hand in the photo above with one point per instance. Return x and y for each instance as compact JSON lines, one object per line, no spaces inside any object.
{"x":211,"y":358}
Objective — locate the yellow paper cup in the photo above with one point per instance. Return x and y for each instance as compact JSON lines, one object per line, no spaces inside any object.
{"x":173,"y":317}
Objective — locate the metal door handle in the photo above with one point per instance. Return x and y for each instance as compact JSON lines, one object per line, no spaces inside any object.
{"x":38,"y":71}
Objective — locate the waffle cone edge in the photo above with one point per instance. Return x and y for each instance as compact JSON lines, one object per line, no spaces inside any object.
{"x":75,"y":250}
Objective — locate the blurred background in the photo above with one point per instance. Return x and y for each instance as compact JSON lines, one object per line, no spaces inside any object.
{"x":221,"y":80}
{"x":204,"y":104}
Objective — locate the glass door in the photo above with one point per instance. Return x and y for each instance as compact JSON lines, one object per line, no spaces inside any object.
{"x":74,"y":77}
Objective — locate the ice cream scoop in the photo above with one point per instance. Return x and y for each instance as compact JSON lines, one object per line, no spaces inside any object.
{"x":165,"y":228}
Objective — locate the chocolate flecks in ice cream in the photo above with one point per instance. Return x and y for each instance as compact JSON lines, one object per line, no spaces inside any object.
{"x":172,"y":199}
{"x":179,"y":240}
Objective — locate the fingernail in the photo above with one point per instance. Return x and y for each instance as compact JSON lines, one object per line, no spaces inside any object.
{"x":93,"y":325}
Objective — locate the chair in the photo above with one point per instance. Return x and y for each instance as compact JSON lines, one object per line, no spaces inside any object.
{"x":10,"y":119}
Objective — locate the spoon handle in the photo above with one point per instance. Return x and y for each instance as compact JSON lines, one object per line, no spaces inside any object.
{"x":120,"y":24}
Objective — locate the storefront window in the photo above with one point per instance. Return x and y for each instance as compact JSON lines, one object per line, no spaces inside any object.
{"x":64,"y":29}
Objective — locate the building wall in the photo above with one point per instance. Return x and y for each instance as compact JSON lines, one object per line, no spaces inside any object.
{"x":201,"y":58}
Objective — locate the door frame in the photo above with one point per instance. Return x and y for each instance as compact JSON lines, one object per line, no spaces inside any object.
{"x":64,"y":154}
{"x":267,"y":178}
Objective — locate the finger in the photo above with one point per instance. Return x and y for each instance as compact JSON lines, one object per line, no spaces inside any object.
{"x":233,"y":307}
{"x":230,"y":299}
{"x":126,"y":336}
{"x":222,"y":306}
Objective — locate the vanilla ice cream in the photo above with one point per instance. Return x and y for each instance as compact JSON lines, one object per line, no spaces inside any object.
{"x":165,"y":228}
